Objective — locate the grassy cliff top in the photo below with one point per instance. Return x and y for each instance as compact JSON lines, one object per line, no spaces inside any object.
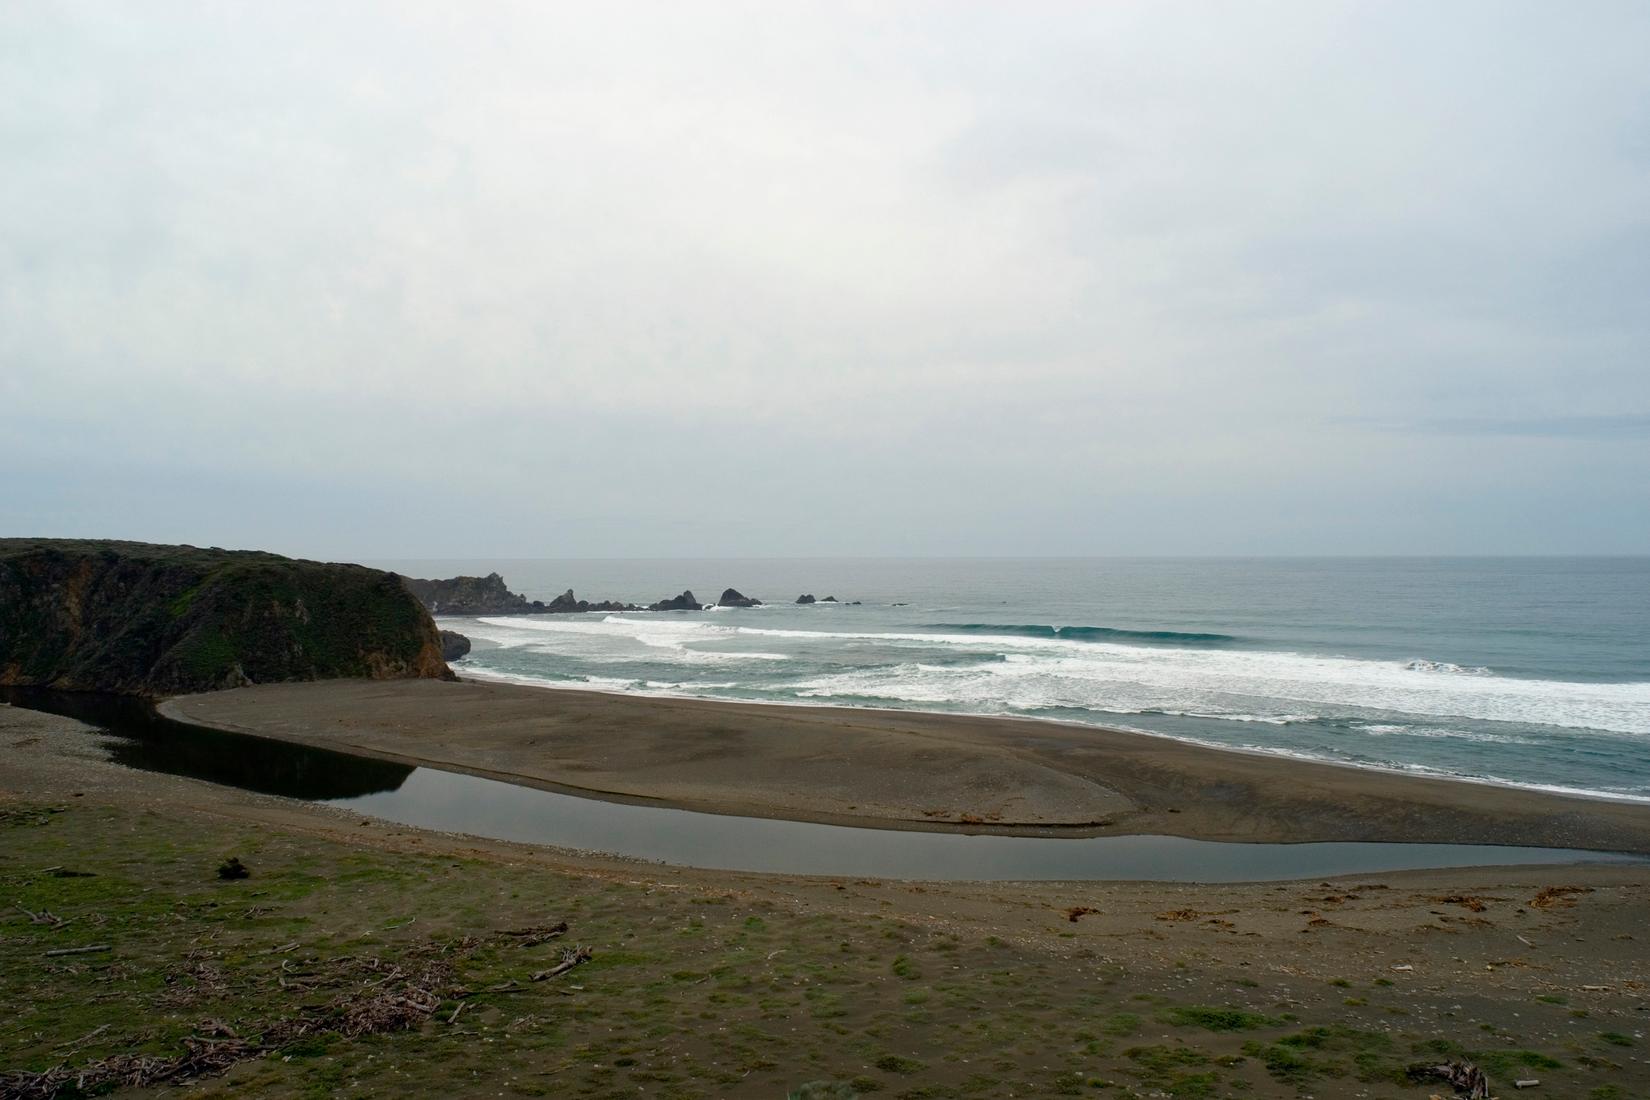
{"x":209,"y":557}
{"x":148,"y":619}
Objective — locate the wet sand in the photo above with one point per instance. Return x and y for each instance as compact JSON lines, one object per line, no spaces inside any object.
{"x":899,"y":770}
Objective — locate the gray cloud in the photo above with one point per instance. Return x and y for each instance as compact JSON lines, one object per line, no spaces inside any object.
{"x":1627,"y":427}
{"x":641,"y":279}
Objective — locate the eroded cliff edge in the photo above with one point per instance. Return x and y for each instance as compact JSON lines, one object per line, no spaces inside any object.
{"x":145,"y":619}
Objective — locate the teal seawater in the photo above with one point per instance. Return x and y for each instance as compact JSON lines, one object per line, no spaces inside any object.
{"x":1528,"y":671}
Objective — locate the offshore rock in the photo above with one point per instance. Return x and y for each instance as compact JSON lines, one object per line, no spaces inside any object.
{"x":567,"y":602}
{"x":731,"y":597}
{"x":807,"y":599}
{"x":141,"y":619}
{"x":453,"y":645}
{"x":685,"y":602}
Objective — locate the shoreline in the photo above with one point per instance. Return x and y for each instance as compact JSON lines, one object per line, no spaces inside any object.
{"x":1418,"y":772}
{"x":900,"y":769}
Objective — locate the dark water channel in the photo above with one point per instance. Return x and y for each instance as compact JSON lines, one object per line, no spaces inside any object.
{"x":449,"y":801}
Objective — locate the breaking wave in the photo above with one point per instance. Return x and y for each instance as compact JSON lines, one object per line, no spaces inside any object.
{"x":1088,"y":633}
{"x":1422,"y":665}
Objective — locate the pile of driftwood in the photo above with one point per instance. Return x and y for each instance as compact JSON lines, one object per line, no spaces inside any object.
{"x":211,"y":1052}
{"x":369,"y":995}
{"x":1463,"y":1076}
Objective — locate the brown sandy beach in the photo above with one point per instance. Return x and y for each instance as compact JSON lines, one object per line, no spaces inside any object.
{"x":900,"y":770}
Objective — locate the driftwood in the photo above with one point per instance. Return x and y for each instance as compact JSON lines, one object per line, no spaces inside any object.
{"x":569,"y":960}
{"x":45,"y":916}
{"x":400,"y":996}
{"x":203,"y":1055}
{"x":75,"y":1044}
{"x":538,"y":933}
{"x":1462,"y":1076}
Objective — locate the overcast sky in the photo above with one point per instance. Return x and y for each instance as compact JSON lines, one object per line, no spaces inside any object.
{"x":413,"y":280}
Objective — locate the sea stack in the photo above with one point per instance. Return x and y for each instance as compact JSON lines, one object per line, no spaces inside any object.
{"x":732,"y":597}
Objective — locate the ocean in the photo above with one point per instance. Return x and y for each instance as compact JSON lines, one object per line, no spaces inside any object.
{"x":1525,"y":671}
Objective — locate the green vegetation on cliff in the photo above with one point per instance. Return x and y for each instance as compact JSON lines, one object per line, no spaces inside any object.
{"x":156,"y":620}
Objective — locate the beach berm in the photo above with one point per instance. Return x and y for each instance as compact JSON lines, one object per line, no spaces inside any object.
{"x":899,"y":769}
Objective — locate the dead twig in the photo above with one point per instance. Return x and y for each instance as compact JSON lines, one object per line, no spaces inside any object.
{"x":569,"y":960}
{"x":538,"y":933}
{"x":79,"y":950}
{"x":84,"y":1039}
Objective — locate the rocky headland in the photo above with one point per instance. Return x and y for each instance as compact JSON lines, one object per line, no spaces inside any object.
{"x":489,"y":595}
{"x":142,"y":619}
{"x":471,"y":596}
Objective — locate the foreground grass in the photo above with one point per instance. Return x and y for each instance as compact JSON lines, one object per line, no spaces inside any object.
{"x":689,"y":992}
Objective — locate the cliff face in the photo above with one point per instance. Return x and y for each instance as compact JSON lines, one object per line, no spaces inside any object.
{"x":142,"y":619}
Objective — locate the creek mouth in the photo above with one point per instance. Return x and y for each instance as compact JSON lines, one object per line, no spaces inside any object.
{"x":444,"y":801}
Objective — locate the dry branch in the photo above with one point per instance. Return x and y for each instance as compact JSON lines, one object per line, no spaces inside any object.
{"x":569,"y":960}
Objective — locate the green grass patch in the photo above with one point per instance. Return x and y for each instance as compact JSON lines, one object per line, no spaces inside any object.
{"x":1506,"y":1063}
{"x":1217,"y":1019}
{"x":1120,"y":1024}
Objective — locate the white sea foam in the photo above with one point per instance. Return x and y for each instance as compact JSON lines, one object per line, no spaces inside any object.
{"x":1382,"y":729}
{"x":1016,"y":673}
{"x":1276,"y":688}
{"x":1420,"y":664}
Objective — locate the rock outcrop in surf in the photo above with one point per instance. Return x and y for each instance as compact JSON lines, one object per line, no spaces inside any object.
{"x":685,"y":602}
{"x":453,"y":645}
{"x":139,"y":619}
{"x":732,"y":597}
{"x":567,"y":603}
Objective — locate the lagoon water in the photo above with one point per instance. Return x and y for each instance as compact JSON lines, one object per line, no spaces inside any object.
{"x":1528,"y":671}
{"x":429,"y":798}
